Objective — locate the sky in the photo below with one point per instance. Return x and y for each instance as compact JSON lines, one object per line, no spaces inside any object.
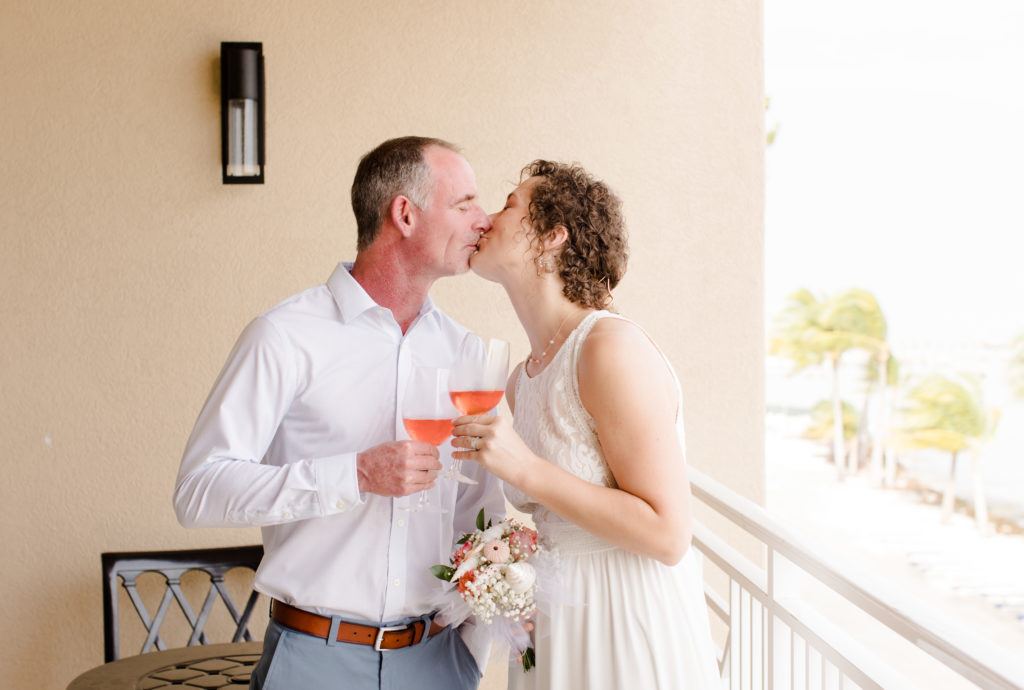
{"x":898,"y":166}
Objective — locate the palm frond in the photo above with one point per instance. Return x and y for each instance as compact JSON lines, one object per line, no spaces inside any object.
{"x":940,"y":412}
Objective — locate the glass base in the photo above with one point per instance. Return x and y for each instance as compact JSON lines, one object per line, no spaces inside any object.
{"x":424,"y":506}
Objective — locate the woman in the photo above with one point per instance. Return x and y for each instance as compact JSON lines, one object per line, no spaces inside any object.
{"x":596,"y":450}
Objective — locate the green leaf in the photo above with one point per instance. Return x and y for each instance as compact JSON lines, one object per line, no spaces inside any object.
{"x":480,"y":520}
{"x":465,"y":538}
{"x":811,"y":330}
{"x":442,"y":572}
{"x":529,"y":659}
{"x":945,"y":413}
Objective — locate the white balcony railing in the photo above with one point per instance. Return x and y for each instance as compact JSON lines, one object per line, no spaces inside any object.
{"x":807,"y":619}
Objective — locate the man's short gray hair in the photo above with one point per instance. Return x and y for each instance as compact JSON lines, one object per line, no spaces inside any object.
{"x":396,"y":167}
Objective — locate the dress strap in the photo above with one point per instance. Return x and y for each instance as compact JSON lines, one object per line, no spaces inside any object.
{"x":579,"y":336}
{"x":570,"y":364}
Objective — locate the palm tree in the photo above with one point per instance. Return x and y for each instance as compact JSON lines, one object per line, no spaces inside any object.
{"x":794,"y":330}
{"x":810,"y":331}
{"x":882,"y":377}
{"x":949,"y":415}
{"x":822,"y":427}
{"x":890,"y":394}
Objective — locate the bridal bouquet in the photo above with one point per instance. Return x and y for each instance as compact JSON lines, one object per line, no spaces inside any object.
{"x":495,"y":572}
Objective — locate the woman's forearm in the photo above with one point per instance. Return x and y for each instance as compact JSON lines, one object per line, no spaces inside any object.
{"x":612,"y":514}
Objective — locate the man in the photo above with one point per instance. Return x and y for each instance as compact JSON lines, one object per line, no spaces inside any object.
{"x":298,"y":437}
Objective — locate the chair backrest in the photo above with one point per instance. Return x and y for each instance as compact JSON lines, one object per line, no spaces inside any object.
{"x":122,"y":569}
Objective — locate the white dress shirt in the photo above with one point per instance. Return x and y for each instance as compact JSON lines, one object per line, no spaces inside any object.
{"x":310,"y":383}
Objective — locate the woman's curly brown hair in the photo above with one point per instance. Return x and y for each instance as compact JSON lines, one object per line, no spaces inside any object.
{"x":593,"y":259}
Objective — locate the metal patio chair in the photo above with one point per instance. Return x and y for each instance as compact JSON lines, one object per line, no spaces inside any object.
{"x":121,"y":570}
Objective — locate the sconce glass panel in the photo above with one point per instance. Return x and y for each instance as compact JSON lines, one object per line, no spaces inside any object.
{"x":242,"y":133}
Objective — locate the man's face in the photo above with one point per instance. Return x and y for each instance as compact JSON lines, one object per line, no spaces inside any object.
{"x":453,"y":220}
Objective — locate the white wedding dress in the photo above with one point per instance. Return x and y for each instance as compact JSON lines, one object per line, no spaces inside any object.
{"x":635,"y":623}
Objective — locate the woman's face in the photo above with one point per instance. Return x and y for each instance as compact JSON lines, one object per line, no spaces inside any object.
{"x":508,"y":244}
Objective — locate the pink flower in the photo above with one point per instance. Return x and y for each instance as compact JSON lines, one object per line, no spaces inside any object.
{"x":496,"y":551}
{"x":523,"y":542}
{"x":461,"y":552}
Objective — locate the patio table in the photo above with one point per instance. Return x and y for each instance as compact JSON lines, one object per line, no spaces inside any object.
{"x":202,"y":666}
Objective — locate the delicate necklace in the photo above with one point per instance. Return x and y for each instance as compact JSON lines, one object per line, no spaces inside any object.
{"x":537,"y":360}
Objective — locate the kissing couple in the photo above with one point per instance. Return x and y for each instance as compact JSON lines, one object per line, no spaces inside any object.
{"x":302,"y":436}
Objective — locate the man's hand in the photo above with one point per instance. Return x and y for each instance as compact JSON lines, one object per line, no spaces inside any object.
{"x":398,"y":468}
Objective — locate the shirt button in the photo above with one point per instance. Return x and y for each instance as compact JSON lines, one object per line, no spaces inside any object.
{"x":396,"y":582}
{"x":286,"y":514}
{"x":340,"y":505}
{"x":401,"y":523}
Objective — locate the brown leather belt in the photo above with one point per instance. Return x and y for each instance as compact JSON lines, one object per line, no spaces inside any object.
{"x":381,"y":639}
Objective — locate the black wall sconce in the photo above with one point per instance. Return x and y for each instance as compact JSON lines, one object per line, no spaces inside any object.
{"x":242,"y":106}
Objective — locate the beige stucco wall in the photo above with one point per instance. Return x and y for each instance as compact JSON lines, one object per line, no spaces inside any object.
{"x":128,"y":268}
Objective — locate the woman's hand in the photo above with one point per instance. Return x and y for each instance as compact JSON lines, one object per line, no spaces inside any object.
{"x":493,"y":443}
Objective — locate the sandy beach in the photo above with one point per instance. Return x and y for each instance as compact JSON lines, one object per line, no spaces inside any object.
{"x":974,"y":581}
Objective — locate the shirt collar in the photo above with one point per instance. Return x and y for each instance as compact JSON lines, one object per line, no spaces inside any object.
{"x":352,"y":299}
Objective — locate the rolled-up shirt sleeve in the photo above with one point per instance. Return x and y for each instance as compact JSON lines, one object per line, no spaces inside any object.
{"x":223,"y":481}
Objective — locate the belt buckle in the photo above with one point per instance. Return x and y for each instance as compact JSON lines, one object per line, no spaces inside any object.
{"x":380,"y":636}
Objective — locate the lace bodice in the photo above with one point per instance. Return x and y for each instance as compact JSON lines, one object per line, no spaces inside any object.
{"x":551,"y":420}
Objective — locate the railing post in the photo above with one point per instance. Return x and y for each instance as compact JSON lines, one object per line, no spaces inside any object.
{"x":783,"y":585}
{"x":769,"y":610}
{"x":736,"y":636}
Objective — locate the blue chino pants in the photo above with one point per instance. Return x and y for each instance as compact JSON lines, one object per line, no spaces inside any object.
{"x":295,"y":661}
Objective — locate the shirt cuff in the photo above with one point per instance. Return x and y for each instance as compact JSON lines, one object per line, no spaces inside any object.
{"x":337,"y":483}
